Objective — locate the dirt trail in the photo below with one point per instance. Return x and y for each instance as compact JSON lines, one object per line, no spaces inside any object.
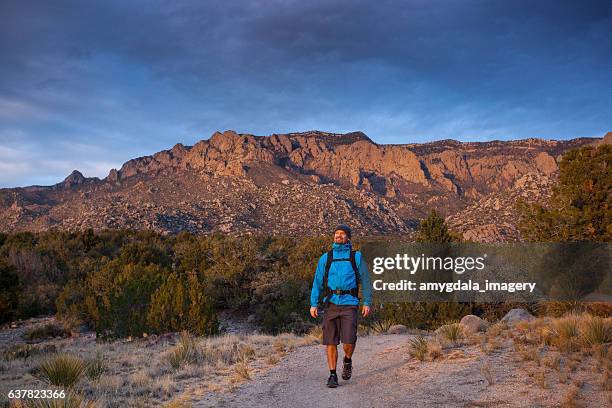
{"x":385,"y":376}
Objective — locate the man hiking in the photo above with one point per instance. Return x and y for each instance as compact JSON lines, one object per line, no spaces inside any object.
{"x":335,"y":294}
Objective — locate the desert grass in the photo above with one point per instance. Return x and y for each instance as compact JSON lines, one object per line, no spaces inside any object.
{"x":186,"y":351}
{"x":595,"y":331}
{"x":498,"y":329}
{"x":140,"y":373}
{"x":565,"y":332}
{"x":489,"y":344}
{"x":487,"y":372}
{"x":362,"y":330}
{"x":382,"y":326}
{"x":570,"y":399}
{"x":317,"y":333}
{"x":434,"y":350}
{"x":417,"y":346}
{"x":552,"y":361}
{"x":178,"y":404}
{"x":451,"y":333}
{"x":72,"y":400}
{"x":569,"y":334}
{"x":243,"y":370}
{"x":61,"y":370}
{"x":95,"y":367}
{"x":541,"y":380}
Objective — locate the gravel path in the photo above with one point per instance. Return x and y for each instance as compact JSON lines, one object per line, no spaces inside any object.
{"x":385,"y":376}
{"x":298,"y":380}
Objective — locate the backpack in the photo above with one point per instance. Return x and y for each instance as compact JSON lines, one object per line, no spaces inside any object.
{"x":327,"y":291}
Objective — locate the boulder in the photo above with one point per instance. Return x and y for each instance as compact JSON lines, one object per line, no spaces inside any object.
{"x":473,"y":324}
{"x":517,"y":315}
{"x":397,"y":329}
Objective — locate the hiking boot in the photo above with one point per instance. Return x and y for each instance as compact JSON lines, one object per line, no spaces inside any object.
{"x":332,"y":381}
{"x":347,"y":370}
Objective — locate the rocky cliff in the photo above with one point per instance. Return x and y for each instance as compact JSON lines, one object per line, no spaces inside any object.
{"x":301,"y":183}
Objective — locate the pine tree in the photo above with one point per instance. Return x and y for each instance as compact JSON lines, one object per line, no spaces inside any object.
{"x":434,"y":229}
{"x":580,"y":208}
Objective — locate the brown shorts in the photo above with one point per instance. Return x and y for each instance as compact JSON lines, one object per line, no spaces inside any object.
{"x":340,"y":324}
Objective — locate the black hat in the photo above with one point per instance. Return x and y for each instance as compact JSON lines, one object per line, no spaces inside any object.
{"x":345,"y":228}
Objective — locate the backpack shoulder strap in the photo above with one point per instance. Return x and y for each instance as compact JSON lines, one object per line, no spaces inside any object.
{"x":355,"y":267}
{"x":330,"y":259}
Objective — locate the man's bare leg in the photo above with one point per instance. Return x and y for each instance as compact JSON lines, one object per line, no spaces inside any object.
{"x":332,"y":356}
{"x":348,"y":349}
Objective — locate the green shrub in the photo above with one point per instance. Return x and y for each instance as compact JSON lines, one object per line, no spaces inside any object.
{"x":120,"y":296}
{"x":9,"y":292}
{"x":181,"y":303}
{"x":580,"y":207}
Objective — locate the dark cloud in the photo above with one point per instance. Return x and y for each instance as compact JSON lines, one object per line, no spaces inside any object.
{"x":130,"y":78}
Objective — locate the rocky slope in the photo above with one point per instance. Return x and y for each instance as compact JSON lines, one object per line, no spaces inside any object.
{"x":301,"y":183}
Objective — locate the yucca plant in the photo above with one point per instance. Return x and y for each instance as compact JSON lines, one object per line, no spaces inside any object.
{"x":566,"y":332}
{"x":451,"y":332}
{"x":63,"y":370}
{"x":418,"y":347}
{"x":595,"y":331}
{"x":382,"y":326}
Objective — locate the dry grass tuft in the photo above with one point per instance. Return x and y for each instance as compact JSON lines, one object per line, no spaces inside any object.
{"x":595,"y":331}
{"x":317,"y":333}
{"x":570,"y":399}
{"x":178,"y":404}
{"x":565,"y":331}
{"x":417,"y":347}
{"x":184,"y":353}
{"x":434,"y":350}
{"x":95,"y":367}
{"x":552,"y":361}
{"x":540,"y":378}
{"x":243,"y":370}
{"x":451,"y":332}
{"x":271,"y":359}
{"x":487,"y":372}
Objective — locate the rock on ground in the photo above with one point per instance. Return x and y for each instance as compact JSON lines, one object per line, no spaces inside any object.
{"x":473,"y":324}
{"x":517,"y":315}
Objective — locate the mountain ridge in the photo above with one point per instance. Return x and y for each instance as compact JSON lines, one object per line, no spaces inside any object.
{"x":242,"y":183}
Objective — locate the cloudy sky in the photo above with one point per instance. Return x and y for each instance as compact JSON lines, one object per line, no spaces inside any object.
{"x":90,"y":84}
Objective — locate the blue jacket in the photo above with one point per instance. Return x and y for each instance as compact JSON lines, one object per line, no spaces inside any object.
{"x":342,"y":276}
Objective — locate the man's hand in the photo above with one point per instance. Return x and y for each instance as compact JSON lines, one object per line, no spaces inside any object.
{"x":314,"y":312}
{"x":365,"y":310}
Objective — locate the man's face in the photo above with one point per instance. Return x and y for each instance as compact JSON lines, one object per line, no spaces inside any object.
{"x":340,"y":237}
